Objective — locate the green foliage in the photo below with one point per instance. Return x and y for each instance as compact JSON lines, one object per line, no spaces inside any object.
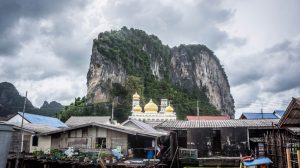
{"x":80,"y":108}
{"x":103,"y":154}
{"x":130,"y":49}
{"x":38,"y":153}
{"x":56,"y":153}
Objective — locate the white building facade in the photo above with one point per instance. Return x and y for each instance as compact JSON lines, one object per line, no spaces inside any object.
{"x":151,"y":112}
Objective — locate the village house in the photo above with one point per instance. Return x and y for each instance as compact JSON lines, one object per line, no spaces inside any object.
{"x":84,"y":132}
{"x":283,"y":144}
{"x":33,"y":126}
{"x":99,"y":135}
{"x":230,"y":138}
{"x":32,"y":140}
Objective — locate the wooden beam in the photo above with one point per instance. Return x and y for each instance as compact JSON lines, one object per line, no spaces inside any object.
{"x":288,"y":157}
{"x":287,"y":112}
{"x":298,"y":157}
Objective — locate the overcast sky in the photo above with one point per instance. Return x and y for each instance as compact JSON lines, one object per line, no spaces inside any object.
{"x":45,"y":46}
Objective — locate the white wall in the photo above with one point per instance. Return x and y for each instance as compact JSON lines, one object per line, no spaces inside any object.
{"x":44,"y":143}
{"x":17,"y":119}
{"x":101,"y":132}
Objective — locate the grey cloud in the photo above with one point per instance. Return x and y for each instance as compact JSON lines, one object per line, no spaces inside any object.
{"x":12,"y":12}
{"x":283,"y":68}
{"x":246,"y":94}
{"x":175,"y":23}
{"x":22,"y":23}
{"x":35,"y":72}
{"x":283,"y":83}
{"x":8,"y":45}
{"x":276,"y":68}
{"x":245,"y":69}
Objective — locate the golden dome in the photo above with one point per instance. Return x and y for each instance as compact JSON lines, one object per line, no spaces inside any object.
{"x":169,"y":109}
{"x":151,"y":107}
{"x":136,"y":96}
{"x":137,"y":108}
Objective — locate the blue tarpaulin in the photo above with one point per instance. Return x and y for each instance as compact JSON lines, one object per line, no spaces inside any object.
{"x":255,"y":116}
{"x":39,"y":119}
{"x":258,"y":161}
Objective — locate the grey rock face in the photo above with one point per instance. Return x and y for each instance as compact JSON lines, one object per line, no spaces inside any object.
{"x":101,"y":75}
{"x":201,"y":69}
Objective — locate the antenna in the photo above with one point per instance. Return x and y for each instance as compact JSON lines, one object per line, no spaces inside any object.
{"x":112,"y":107}
{"x":112,"y":111}
{"x":197,"y":108}
{"x":22,"y":136}
{"x":262,"y":111}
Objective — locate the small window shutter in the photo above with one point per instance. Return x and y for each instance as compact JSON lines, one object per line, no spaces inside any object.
{"x":35,"y":140}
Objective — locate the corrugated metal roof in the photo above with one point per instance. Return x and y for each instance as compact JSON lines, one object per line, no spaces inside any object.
{"x":79,"y":120}
{"x":119,"y":128}
{"x":45,"y":120}
{"x":217,"y":123}
{"x":38,"y":128}
{"x":294,"y":130}
{"x":190,"y":118}
{"x":254,"y":116}
{"x":140,"y":124}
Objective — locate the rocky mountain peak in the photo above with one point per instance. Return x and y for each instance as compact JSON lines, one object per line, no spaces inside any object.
{"x":182,"y":73}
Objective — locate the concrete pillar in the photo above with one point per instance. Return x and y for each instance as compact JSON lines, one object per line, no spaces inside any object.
{"x":288,"y":157}
{"x":298,"y":158}
{"x":5,"y":140}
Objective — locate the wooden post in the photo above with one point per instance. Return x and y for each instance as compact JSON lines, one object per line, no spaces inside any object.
{"x":298,"y":158}
{"x":8,"y":163}
{"x":288,"y":157}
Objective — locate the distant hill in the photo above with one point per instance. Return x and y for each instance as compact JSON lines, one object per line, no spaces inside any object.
{"x":11,"y":102}
{"x":50,"y":109}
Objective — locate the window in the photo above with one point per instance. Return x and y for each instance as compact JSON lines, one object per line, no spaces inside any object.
{"x":79,"y":133}
{"x":72,"y":134}
{"x":84,"y":132}
{"x":35,"y":140}
{"x":101,"y":141}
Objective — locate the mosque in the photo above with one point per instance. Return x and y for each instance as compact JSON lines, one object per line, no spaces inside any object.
{"x":151,"y":113}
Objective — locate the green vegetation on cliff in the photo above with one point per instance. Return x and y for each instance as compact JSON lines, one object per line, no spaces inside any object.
{"x":131,"y":48}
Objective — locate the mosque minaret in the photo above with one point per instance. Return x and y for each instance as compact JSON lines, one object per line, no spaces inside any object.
{"x":151,"y":114}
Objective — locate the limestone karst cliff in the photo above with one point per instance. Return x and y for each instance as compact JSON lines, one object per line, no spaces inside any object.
{"x":184,"y":74}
